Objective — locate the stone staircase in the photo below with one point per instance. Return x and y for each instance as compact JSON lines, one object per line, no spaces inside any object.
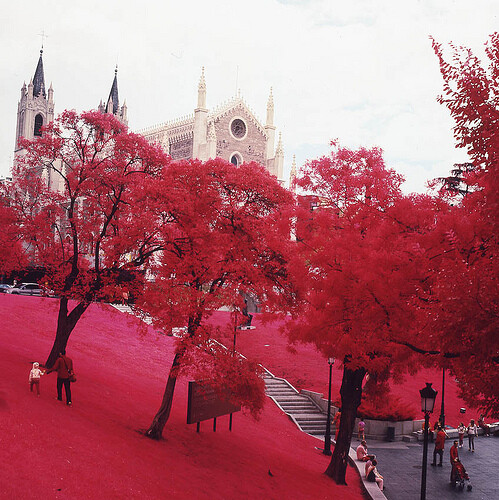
{"x":300,"y":408}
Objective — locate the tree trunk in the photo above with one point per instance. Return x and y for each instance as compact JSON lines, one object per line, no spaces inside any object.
{"x":155,"y":430}
{"x":351,"y":393}
{"x":65,"y":325}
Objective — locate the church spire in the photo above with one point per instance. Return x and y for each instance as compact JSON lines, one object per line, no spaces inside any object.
{"x":279,"y":150}
{"x":113,"y":102}
{"x":202,"y":91}
{"x":292,"y":175}
{"x":39,"y":78}
{"x":270,"y":109}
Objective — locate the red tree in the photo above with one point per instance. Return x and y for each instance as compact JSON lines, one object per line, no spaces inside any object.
{"x":356,"y":271}
{"x":12,"y":256}
{"x":462,"y":302}
{"x":221,"y":228}
{"x":74,"y":198}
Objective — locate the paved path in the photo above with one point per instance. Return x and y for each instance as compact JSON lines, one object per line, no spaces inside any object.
{"x":400,"y":464}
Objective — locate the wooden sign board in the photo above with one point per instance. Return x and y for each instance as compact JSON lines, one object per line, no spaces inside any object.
{"x":204,"y":403}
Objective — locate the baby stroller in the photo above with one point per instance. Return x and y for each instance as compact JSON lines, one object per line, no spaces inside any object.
{"x":459,"y":476}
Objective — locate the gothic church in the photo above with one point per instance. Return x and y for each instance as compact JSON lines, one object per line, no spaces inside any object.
{"x":231,"y":131}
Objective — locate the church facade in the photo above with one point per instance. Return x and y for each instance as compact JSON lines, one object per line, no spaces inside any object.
{"x":230,"y":131}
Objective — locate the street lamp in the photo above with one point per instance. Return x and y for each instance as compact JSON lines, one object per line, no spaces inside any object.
{"x":327,"y":437}
{"x":428,"y":396}
{"x":442,"y":411}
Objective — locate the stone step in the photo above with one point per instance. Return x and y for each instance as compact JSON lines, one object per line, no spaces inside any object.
{"x":297,"y":404}
{"x":282,"y":392}
{"x":295,"y":408}
{"x":310,"y":420}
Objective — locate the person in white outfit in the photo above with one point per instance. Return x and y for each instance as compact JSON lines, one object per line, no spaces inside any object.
{"x":34,"y":378}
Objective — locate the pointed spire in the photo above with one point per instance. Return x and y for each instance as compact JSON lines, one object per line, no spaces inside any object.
{"x":279,"y":150}
{"x":39,"y":78}
{"x":202,"y":91}
{"x":30,"y":88}
{"x":292,"y":175}
{"x":113,"y":95}
{"x":293,"y":167}
{"x":270,"y":109}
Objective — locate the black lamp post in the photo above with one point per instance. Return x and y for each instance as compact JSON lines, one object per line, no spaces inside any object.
{"x":442,"y":411}
{"x":327,"y":437}
{"x":428,"y":396}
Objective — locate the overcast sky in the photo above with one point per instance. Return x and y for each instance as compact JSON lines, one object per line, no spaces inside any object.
{"x":360,"y":71}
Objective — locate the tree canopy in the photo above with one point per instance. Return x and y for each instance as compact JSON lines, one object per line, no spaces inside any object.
{"x":73,"y":201}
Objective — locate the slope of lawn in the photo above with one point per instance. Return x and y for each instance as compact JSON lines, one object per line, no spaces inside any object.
{"x":95,"y":449}
{"x":305,"y":368}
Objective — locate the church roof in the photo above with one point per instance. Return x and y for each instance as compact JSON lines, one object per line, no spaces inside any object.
{"x":114,"y":94}
{"x":237,"y":103}
{"x":39,"y":79}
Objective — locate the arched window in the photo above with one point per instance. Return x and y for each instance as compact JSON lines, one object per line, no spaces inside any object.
{"x":236,"y":159}
{"x":38,"y":125}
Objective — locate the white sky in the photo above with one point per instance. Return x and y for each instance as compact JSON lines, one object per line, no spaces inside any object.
{"x":361,"y":71}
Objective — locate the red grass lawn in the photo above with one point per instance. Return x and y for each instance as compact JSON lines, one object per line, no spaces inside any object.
{"x":94,"y":450}
{"x":308,"y":369}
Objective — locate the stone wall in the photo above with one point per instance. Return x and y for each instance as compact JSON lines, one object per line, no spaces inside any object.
{"x":375,"y":429}
{"x":251,"y":147}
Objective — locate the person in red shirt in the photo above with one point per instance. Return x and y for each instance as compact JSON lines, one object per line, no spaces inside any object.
{"x":439,"y":446}
{"x":454,"y":455}
{"x":64,"y":368}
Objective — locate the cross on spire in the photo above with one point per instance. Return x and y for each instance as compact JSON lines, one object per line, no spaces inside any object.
{"x":43,"y":35}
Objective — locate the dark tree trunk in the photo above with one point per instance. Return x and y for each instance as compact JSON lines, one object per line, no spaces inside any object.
{"x":155,"y":430}
{"x":351,"y":393}
{"x":65,"y":325}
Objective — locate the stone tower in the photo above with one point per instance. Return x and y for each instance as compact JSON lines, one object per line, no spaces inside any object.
{"x":36,"y":106}
{"x":113,"y":102}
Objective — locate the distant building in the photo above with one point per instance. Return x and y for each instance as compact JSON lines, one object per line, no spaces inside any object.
{"x":231,"y":131}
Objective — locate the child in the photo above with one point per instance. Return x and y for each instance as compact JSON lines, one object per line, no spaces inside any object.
{"x":460,"y":431}
{"x":34,"y":378}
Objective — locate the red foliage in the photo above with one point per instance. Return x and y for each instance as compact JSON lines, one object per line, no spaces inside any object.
{"x":462,"y":313}
{"x":12,"y":256}
{"x":222,"y":230}
{"x":393,"y":409}
{"x":356,"y":270}
{"x":76,"y":195}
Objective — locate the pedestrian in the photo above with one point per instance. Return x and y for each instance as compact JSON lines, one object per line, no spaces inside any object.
{"x":246,"y":314}
{"x":362,"y":454}
{"x":483,"y":425}
{"x":64,"y":368}
{"x":472,"y":432}
{"x":34,"y":377}
{"x":439,"y":447}
{"x":362,"y":427}
{"x":454,"y":454}
{"x":433,"y":433}
{"x":460,"y":430}
{"x":125,"y":297}
{"x":374,"y":476}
